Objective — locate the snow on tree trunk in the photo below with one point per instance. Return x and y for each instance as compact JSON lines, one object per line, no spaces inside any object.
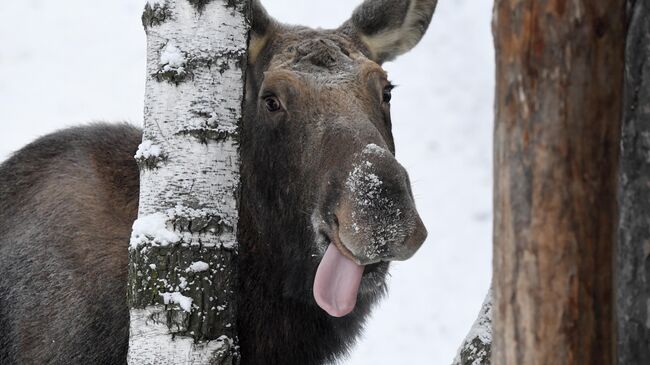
{"x":476,"y":348}
{"x":558,"y":109}
{"x":633,"y":258}
{"x":182,"y":268}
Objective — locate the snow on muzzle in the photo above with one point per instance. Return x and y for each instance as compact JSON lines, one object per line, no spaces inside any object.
{"x":377,"y":221}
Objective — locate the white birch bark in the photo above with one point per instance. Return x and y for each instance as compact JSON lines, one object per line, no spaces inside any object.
{"x":182,"y":273}
{"x":476,"y":348}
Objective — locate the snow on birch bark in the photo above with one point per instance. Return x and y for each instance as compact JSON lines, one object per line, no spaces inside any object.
{"x":182,"y":273}
{"x":476,"y":348}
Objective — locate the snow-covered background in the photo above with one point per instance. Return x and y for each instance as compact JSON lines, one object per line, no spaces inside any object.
{"x":68,"y":62}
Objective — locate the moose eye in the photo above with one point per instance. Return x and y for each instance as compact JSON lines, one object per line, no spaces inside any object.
{"x":272,"y":104}
{"x":387,"y":94}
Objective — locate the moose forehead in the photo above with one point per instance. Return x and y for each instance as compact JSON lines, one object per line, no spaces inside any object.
{"x":323,"y":57}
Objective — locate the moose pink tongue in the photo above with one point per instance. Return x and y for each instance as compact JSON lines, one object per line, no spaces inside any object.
{"x":337,"y":283}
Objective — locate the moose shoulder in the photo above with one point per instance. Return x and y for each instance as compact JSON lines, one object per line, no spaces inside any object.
{"x":325,"y":205}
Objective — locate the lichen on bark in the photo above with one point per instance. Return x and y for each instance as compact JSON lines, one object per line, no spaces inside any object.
{"x":155,"y":14}
{"x":476,"y":349}
{"x":156,"y":270}
{"x":200,"y":4}
{"x":221,"y":61}
{"x":205,"y":135}
{"x":182,"y":258}
{"x":150,"y":163}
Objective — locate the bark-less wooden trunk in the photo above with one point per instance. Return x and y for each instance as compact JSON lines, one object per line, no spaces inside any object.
{"x":633,"y":275}
{"x":182,"y":270}
{"x":558,"y":110}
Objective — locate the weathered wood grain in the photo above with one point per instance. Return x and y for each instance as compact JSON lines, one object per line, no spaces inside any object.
{"x":558,"y":110}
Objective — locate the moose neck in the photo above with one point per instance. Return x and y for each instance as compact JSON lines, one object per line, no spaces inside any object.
{"x":279,"y":255}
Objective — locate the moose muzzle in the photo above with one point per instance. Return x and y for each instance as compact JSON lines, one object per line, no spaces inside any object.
{"x":376,"y":220}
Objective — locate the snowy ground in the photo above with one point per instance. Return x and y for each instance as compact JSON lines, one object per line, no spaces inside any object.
{"x":67,"y":62}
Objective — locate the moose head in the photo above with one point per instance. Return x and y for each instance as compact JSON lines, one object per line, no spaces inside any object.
{"x":318,"y":152}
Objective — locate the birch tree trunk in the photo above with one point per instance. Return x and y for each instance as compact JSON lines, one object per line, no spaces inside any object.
{"x":182,"y":255}
{"x":476,"y":349}
{"x":558,"y":109}
{"x":633,"y":259}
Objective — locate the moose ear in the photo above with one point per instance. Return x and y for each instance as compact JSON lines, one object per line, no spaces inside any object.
{"x":261,"y":24}
{"x":390,"y":28}
{"x":258,"y":17}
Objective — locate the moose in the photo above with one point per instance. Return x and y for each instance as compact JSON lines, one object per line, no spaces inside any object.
{"x":316,"y":120}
